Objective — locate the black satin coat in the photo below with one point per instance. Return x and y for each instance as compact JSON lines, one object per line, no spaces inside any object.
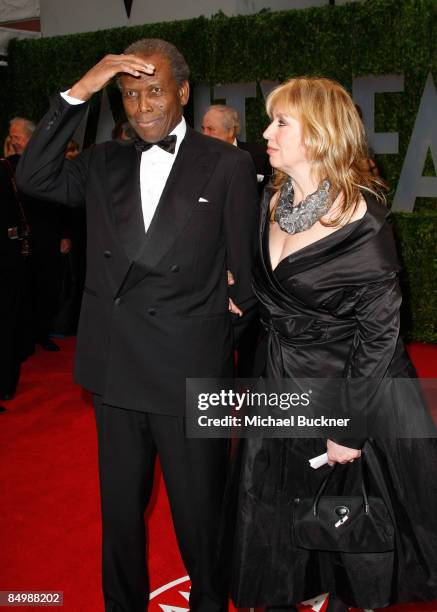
{"x":332,"y":310}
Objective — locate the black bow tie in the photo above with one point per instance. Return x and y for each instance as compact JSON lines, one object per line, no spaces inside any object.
{"x":168,"y":144}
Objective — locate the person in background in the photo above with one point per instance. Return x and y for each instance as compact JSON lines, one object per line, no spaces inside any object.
{"x":16,"y":343}
{"x":49,"y":240}
{"x":223,"y":122}
{"x":123,"y":131}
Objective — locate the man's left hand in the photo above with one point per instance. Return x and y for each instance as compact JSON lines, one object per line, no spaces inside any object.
{"x":65,"y":246}
{"x":233,"y":307}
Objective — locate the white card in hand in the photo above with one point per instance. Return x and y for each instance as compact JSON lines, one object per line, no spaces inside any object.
{"x":317,"y":462}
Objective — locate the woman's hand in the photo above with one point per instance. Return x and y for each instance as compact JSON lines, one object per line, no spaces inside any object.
{"x":341,"y":454}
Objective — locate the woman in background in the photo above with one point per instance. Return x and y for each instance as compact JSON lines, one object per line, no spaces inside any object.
{"x":327,"y":282}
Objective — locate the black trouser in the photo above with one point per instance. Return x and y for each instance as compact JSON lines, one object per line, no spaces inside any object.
{"x":194,"y":471}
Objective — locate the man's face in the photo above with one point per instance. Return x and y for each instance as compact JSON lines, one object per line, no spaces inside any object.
{"x":212,"y":125}
{"x":154,"y":104}
{"x":19,"y":136}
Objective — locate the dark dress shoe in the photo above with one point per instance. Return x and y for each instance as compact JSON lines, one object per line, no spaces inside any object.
{"x":2,"y":409}
{"x":49,"y":345}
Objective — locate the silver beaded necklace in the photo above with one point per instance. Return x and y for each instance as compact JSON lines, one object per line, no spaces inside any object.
{"x":300,"y":217}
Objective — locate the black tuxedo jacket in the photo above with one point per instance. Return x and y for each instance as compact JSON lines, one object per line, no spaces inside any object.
{"x":261,"y":161}
{"x":155,"y":305}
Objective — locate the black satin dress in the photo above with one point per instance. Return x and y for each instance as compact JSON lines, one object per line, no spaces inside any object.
{"x":332,"y":310}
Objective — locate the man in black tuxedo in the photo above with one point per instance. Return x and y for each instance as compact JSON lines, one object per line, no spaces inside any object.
{"x":167,"y":215}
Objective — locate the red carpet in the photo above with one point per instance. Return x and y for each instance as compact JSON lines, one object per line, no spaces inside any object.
{"x":50,"y":527}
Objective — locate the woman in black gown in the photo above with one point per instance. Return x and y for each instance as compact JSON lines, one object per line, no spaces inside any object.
{"x":327,"y":282}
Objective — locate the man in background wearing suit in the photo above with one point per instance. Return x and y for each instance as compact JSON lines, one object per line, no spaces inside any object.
{"x":30,"y":245}
{"x":223,"y":122}
{"x":15,"y":316}
{"x":167,"y":215}
{"x":49,"y":241}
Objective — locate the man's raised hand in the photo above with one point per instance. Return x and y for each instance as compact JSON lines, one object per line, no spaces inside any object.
{"x":100,"y":75}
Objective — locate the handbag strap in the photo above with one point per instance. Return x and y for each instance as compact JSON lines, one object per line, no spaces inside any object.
{"x":326,"y":480}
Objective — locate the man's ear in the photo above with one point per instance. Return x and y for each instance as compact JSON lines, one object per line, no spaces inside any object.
{"x":184,"y":92}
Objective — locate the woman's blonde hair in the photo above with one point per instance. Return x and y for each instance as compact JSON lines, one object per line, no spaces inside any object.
{"x":334,"y":137}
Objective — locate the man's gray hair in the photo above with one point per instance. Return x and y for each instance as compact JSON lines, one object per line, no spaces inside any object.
{"x":230,"y":116}
{"x":29,"y":125}
{"x":151,"y":46}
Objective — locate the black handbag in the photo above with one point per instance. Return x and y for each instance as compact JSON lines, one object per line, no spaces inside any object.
{"x":359,"y":524}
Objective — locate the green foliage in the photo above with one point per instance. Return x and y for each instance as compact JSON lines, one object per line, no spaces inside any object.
{"x":417,"y":239}
{"x":5,"y":89}
{"x":369,"y":37}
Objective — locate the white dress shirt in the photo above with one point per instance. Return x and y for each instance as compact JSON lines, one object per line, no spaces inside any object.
{"x":155,"y":167}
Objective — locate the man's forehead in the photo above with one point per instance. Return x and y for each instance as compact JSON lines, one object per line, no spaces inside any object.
{"x":161,"y":62}
{"x":212,"y":114}
{"x":163,"y":69}
{"x":17,"y":126}
{"x":215,"y":116}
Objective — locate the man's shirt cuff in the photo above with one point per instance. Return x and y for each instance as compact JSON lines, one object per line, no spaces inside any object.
{"x":70,"y":99}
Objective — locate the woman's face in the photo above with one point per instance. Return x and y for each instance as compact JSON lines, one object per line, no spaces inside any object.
{"x":284,"y":143}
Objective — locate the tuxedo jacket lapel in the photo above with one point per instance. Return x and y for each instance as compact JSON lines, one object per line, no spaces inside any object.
{"x":123,"y":164}
{"x":180,"y":196}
